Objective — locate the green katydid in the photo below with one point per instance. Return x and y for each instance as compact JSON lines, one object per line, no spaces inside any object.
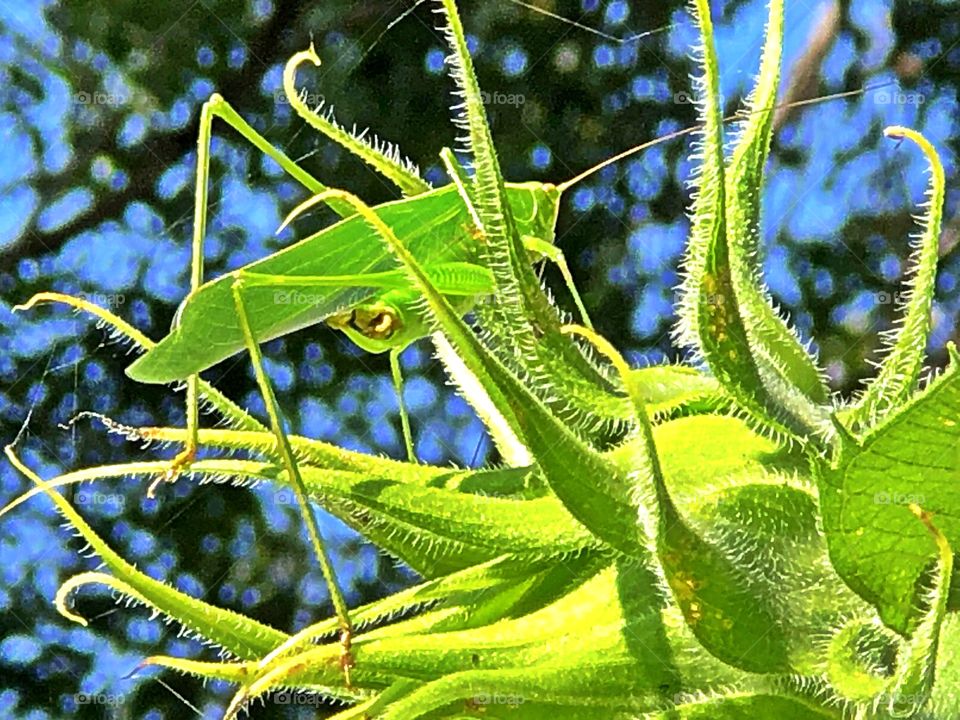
{"x":365,"y":296}
{"x":372,"y":302}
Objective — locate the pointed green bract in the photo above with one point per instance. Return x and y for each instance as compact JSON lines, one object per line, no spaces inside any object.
{"x":913,"y":684}
{"x":239,"y":635}
{"x":901,"y":368}
{"x":707,"y":219}
{"x":671,"y":388}
{"x":381,"y":156}
{"x":771,"y":337}
{"x":438,"y":530}
{"x":725,"y":312}
{"x":734,"y":619}
{"x":524,"y":326}
{"x":711,"y":314}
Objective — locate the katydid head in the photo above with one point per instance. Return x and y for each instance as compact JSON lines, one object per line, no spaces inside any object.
{"x":535,"y":207}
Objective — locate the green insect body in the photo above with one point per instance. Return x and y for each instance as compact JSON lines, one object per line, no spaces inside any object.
{"x":287,"y":291}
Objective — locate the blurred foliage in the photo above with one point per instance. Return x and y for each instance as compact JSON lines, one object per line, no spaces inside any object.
{"x":100,"y":105}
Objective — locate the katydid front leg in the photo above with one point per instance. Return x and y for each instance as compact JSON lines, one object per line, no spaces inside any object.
{"x":555,"y":255}
{"x":293,"y":473}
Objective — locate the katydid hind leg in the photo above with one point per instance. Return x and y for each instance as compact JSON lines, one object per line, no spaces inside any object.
{"x":292,"y":470}
{"x":217,"y":107}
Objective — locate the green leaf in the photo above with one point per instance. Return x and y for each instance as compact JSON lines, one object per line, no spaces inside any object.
{"x":870,"y":665}
{"x":876,"y":544}
{"x":945,"y":700}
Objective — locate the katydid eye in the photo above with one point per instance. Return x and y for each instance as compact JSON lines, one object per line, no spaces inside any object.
{"x":383,"y":325}
{"x":380,"y":325}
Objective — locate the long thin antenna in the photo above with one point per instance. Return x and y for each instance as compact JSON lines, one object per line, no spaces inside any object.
{"x":406,"y":13}
{"x":693,"y":128}
{"x":587,"y":28}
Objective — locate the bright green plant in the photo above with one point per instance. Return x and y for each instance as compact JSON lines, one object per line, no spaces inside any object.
{"x":646,"y":552}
